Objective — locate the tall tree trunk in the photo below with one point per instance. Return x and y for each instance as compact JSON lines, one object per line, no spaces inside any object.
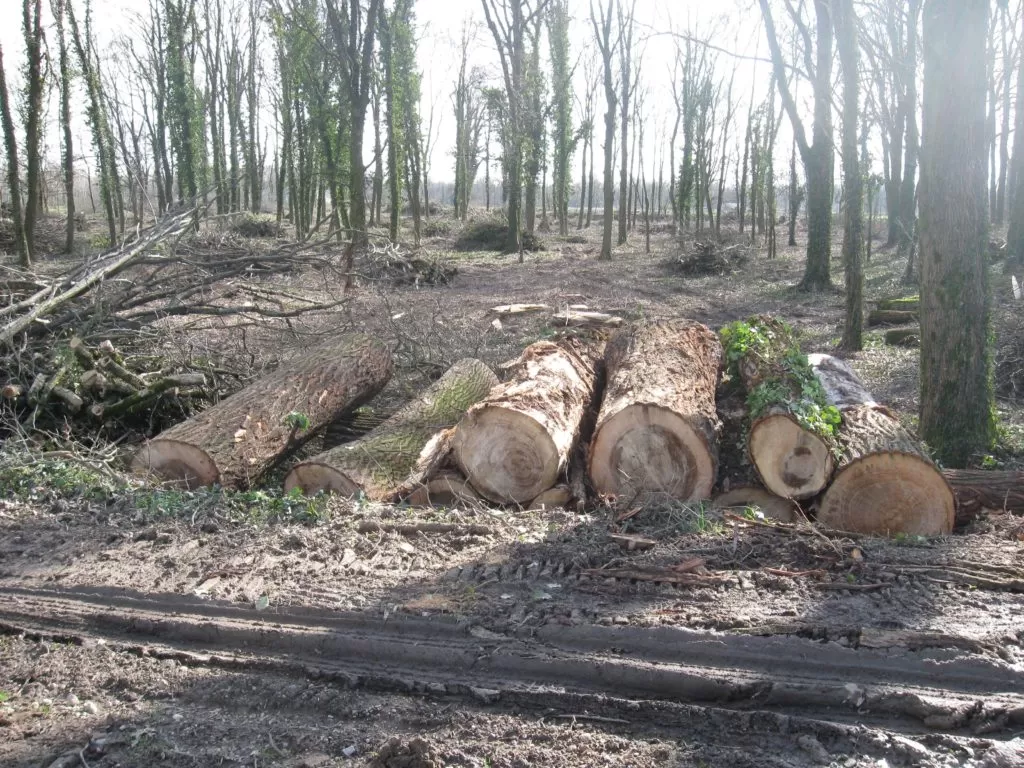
{"x":57,"y":6}
{"x":625,"y":82}
{"x":32,"y":27}
{"x":602,"y":29}
{"x":907,"y":188}
{"x":853,"y":229}
{"x":956,"y":390}
{"x":13,"y":177}
{"x":1015,"y":235}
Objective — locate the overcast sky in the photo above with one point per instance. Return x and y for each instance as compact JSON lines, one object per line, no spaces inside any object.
{"x":735,"y":23}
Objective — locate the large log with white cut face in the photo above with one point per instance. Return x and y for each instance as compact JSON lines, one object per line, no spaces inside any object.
{"x":236,"y":441}
{"x":396,"y":457}
{"x":885,"y":484}
{"x":657,"y":430}
{"x":516,"y":444}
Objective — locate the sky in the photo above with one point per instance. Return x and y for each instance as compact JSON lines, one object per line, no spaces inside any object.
{"x":736,"y":25}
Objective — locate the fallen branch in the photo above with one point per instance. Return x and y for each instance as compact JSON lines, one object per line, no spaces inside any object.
{"x":415,"y":529}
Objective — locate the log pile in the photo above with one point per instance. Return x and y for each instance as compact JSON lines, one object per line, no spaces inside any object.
{"x":639,"y":417}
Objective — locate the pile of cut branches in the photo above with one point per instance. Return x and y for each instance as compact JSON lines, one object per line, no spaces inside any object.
{"x":708,"y":257}
{"x":389,"y":263}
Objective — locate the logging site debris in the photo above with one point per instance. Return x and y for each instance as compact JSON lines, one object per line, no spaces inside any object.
{"x":467,"y":500}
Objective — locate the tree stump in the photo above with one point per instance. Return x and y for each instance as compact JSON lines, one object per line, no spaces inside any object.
{"x":236,"y":441}
{"x":398,"y":455}
{"x":885,"y":484}
{"x":657,"y":430}
{"x":515,"y":444}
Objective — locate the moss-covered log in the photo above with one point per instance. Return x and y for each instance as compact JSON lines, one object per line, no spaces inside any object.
{"x":891,"y":317}
{"x":885,"y":484}
{"x":657,"y":430}
{"x":904,"y":337}
{"x":791,"y":426}
{"x":516,"y":444}
{"x":236,"y":441}
{"x":396,"y":457}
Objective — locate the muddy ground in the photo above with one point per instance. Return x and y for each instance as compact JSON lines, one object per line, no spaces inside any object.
{"x":187,"y":636}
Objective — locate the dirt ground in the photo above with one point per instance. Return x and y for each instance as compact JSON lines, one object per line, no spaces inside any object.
{"x":147,"y":637}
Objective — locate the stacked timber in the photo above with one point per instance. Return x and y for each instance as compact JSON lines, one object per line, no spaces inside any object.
{"x":793,"y":460}
{"x":657,"y":429}
{"x":885,"y":483}
{"x":235,"y":442}
{"x":397,"y":457}
{"x":516,"y":443}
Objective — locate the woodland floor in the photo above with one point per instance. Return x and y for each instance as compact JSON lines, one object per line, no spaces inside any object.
{"x":180,"y":634}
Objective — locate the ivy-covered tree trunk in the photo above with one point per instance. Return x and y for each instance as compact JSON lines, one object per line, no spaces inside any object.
{"x":908,"y":205}
{"x":564,"y":143}
{"x":32,"y":27}
{"x":394,"y":96}
{"x":13,"y":177}
{"x":957,"y":418}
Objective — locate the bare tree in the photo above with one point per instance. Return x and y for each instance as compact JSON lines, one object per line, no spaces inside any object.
{"x":817,"y":154}
{"x":602,"y":21}
{"x":625,"y":48}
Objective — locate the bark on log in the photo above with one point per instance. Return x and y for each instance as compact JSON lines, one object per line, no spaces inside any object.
{"x":902,"y":303}
{"x":886,"y":484}
{"x":657,"y":430}
{"x":515,"y":444}
{"x":744,"y":496}
{"x":891,"y":317}
{"x":904,"y":337}
{"x":447,"y":489}
{"x":978,"y":489}
{"x":234,"y":442}
{"x":398,"y":455}
{"x":792,"y":462}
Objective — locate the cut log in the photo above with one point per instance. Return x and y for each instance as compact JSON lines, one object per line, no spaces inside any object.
{"x":657,"y":430}
{"x":902,"y":303}
{"x":756,"y":497}
{"x":515,"y":444}
{"x":397,"y":456}
{"x":236,"y":441}
{"x":978,"y":489}
{"x":447,"y":489}
{"x":559,"y":496}
{"x":518,"y":309}
{"x":792,"y":461}
{"x":885,"y":484}
{"x":578,"y":317}
{"x":904,"y":337}
{"x":891,"y":317}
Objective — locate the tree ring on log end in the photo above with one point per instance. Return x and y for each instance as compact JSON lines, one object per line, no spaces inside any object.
{"x":889,"y":493}
{"x":793,"y":462}
{"x":313,"y":477}
{"x":177,"y":463}
{"x":649,"y":449}
{"x":507,"y":456}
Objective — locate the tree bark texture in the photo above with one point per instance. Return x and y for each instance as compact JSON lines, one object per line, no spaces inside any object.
{"x":236,"y":441}
{"x":397,"y":456}
{"x":515,"y":444}
{"x":956,"y":390}
{"x":657,"y":430}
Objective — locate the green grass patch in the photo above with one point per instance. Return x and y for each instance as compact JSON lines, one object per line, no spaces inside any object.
{"x":42,"y":480}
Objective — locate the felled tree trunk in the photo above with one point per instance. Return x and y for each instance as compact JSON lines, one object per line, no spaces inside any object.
{"x":657,"y":430}
{"x":901,"y":303}
{"x":396,"y":457}
{"x":891,"y":317}
{"x":885,"y":484}
{"x":792,"y":461}
{"x":978,"y":489}
{"x":234,"y":442}
{"x":447,"y":489}
{"x":515,"y":444}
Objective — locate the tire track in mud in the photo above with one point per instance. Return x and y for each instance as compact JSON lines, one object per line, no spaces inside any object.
{"x":785,"y":675}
